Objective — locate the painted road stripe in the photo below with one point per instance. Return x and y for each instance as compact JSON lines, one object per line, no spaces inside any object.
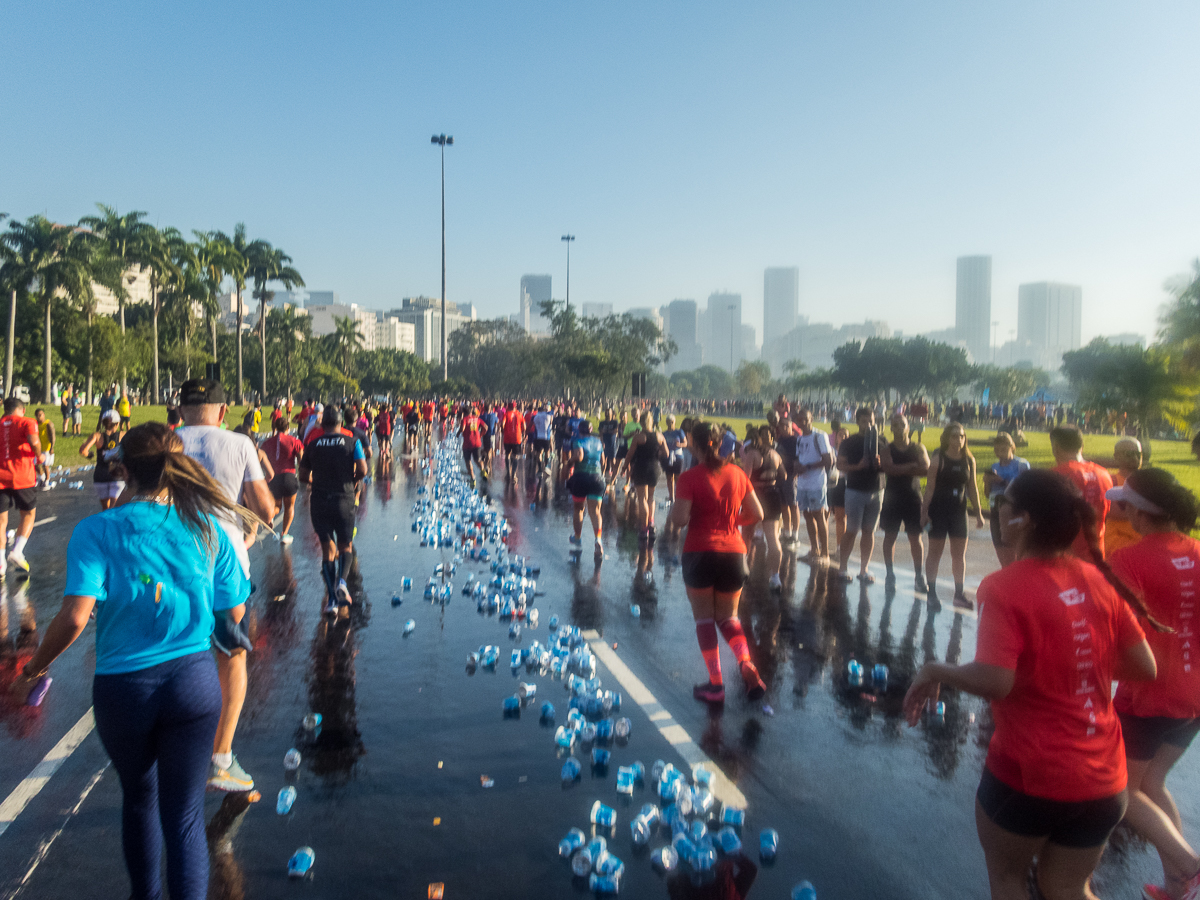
{"x":722,"y":788}
{"x":36,"y":780}
{"x":44,"y":847}
{"x":45,"y":521}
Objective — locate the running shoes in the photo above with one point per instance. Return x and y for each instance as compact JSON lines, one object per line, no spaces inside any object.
{"x":709,"y":692}
{"x":230,"y":779}
{"x":755,"y":688}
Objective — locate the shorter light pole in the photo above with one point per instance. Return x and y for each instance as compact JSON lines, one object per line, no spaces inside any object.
{"x":567,"y":238}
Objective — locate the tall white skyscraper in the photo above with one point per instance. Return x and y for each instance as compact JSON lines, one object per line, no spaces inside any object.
{"x":683,"y":327}
{"x":781,"y":301}
{"x":1049,"y":316}
{"x":724,"y":346}
{"x":973,"y":305}
{"x":534,"y":290}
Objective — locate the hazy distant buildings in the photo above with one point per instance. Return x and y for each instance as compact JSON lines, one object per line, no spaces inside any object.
{"x":973,"y":305}
{"x":1049,"y":315}
{"x":721,"y":331}
{"x":682,"y":326}
{"x":1126,"y":339}
{"x":595,"y":310}
{"x":425,"y":315}
{"x":781,"y":302}
{"x":392,"y":334}
{"x":324,"y":316}
{"x":535,"y":289}
{"x":813,"y":343}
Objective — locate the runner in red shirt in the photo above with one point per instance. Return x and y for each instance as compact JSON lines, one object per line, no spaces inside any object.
{"x":1094,"y":481}
{"x":473,"y":430}
{"x":19,"y":451}
{"x":715,"y":500}
{"x":1160,"y":718}
{"x":428,"y":411}
{"x":513,"y":427}
{"x":1054,"y":632}
{"x":284,"y":451}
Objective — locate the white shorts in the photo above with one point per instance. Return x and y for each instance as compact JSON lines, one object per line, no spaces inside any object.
{"x":46,"y":458}
{"x":109,"y":490}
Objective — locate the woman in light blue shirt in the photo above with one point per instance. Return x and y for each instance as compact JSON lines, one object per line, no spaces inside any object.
{"x":162,"y":575}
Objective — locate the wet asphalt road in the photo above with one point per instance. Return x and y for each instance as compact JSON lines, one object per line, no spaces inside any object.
{"x":390,"y":792}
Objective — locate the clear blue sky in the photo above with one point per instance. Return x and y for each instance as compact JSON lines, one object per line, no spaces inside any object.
{"x":687,"y":145}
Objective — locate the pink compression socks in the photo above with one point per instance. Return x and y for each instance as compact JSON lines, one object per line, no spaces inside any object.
{"x":706,"y":637}
{"x":732,"y":629}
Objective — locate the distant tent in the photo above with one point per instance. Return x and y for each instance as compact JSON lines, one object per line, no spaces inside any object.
{"x":1042,"y":396}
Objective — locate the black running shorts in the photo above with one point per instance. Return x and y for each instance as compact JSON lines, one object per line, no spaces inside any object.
{"x":284,"y":484}
{"x":1145,"y":735}
{"x":23,"y":499}
{"x":333,"y":517}
{"x":901,"y":508}
{"x":724,"y":572}
{"x":1083,"y":824}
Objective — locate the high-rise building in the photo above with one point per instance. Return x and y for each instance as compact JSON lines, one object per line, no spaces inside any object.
{"x":973,"y":305}
{"x":425,"y":315}
{"x":392,"y":334}
{"x":781,"y":302}
{"x":723,"y":345}
{"x":535,"y":289}
{"x":595,"y":310}
{"x":1049,"y":316}
{"x":323,"y":317}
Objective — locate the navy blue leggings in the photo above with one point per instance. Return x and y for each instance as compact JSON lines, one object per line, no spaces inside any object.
{"x":157,"y":725}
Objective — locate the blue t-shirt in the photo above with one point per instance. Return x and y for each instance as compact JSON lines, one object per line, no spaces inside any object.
{"x":675,"y":442}
{"x":1008,"y":471}
{"x":156,"y":584}
{"x":593,"y":454}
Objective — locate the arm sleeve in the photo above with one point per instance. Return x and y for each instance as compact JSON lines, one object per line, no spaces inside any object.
{"x":358,"y":451}
{"x":1129,"y":632}
{"x":86,"y":569}
{"x":230,"y":585}
{"x":1000,"y":640}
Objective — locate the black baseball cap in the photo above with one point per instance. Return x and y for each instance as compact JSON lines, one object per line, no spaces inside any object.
{"x":199,"y":391}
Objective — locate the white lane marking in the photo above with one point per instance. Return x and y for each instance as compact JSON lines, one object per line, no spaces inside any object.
{"x":36,"y":780}
{"x":722,"y":788}
{"x":45,"y":521}
{"x":44,"y":847}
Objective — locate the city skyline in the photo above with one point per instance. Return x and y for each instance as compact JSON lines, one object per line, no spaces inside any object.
{"x":874,"y":174}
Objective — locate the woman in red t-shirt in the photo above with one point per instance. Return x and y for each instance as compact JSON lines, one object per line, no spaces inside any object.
{"x":713,"y":500}
{"x":1159,"y":719}
{"x":1054,"y":632}
{"x":283,"y":451}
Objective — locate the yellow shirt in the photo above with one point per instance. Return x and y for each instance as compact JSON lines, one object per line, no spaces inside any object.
{"x":123,"y":407}
{"x":44,"y":435}
{"x":257,"y":420}
{"x":1118,"y":532}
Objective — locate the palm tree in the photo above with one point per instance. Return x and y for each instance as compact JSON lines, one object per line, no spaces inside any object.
{"x":104,"y":270}
{"x":212,"y":256}
{"x":269,"y":264}
{"x":345,"y":340}
{"x":46,"y":258}
{"x":157,"y":253}
{"x":124,"y":235}
{"x":184,"y":287}
{"x":289,"y":331}
{"x":237,"y":255}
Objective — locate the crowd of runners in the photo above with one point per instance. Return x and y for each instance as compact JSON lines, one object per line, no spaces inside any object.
{"x":1095,"y":587}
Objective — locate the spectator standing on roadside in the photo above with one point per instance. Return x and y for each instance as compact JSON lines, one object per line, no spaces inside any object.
{"x":904,"y":464}
{"x":231,"y":459}
{"x":858,"y":458}
{"x":812,"y":464}
{"x":1007,"y":467}
{"x":46,"y":439}
{"x":125,"y":409}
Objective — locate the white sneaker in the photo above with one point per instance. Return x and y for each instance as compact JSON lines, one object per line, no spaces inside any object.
{"x":17,"y":561}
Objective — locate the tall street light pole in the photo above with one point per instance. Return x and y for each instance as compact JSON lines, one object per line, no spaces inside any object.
{"x":442,"y":140}
{"x":568,"y":238}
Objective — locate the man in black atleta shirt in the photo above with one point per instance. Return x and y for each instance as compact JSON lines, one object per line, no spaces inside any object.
{"x":333,"y":463}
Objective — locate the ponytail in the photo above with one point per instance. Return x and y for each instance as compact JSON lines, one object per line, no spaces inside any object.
{"x":153,"y":456}
{"x":706,"y":441}
{"x":1091,"y":534}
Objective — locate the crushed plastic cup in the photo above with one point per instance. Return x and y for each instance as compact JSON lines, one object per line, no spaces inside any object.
{"x":571,"y":770}
{"x":665,"y":859}
{"x":312,"y":721}
{"x":572,"y":842}
{"x":768,"y":845}
{"x":512,"y":705}
{"x":604,"y":816}
{"x":287,"y":796}
{"x":731,"y":815}
{"x":547,"y":711}
{"x":641,"y":831}
{"x":804,"y":891}
{"x":621,"y":728}
{"x":409,"y":627}
{"x":301,"y":862}
{"x":564,"y":737}
{"x":600,"y":757}
{"x":625,"y":781}
{"x":728,"y":841}
{"x":291,"y":760}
